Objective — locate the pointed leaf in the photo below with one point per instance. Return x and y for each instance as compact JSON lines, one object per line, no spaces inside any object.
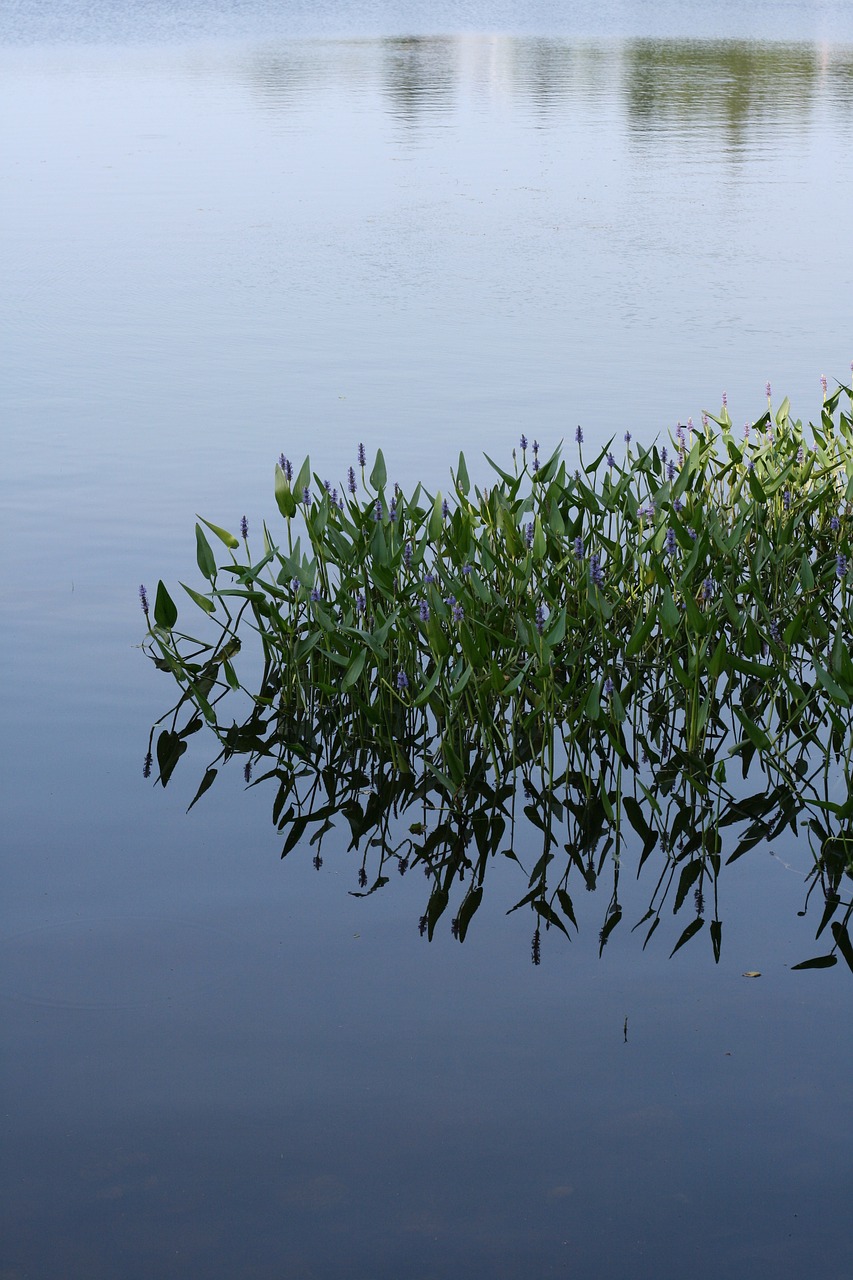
{"x":165,"y":610}
{"x":204,"y":554}
{"x":379,"y":474}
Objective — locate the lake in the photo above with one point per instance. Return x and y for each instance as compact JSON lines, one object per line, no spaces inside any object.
{"x":232,"y":230}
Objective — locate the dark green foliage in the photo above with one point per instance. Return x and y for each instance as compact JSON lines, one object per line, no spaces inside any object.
{"x":616,"y":636}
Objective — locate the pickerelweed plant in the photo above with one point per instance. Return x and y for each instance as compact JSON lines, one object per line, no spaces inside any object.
{"x":602,"y":632}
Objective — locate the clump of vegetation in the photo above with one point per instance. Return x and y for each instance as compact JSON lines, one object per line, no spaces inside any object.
{"x":604,"y":631}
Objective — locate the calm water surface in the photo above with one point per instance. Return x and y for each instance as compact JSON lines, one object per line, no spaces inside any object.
{"x":229,"y":232}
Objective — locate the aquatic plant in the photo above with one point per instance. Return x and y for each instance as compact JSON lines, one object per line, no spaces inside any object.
{"x":601,"y":634}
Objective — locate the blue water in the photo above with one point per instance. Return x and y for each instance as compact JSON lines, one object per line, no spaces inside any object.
{"x":231,"y":230}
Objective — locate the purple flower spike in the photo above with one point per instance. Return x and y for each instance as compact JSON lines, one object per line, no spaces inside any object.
{"x":360,"y":604}
{"x":670,"y":470}
{"x":450,"y":601}
{"x":429,"y":579}
{"x":540,"y":617}
{"x":664,"y":455}
{"x":392,"y":510}
{"x":669,"y":542}
{"x":528,"y":534}
{"x":244,"y":528}
{"x":677,"y":505}
{"x":823,"y":383}
{"x":746,"y":431}
{"x":611,"y":461}
{"x":579,"y":435}
{"x":596,"y":573}
{"x":445,"y":509}
{"x":835,"y":524}
{"x":769,"y":392}
{"x":578,"y":548}
{"x":725,"y":400}
{"x":775,"y":633}
{"x":709,"y":586}
{"x":627,"y":437}
{"x":458,"y":613}
{"x":143,"y":600}
{"x":287,"y":467}
{"x":841,"y":566}
{"x":523,"y":443}
{"x":536,"y":448}
{"x":608,"y":687}
{"x":306,"y":496}
{"x":801,"y":456}
{"x":316,"y":595}
{"x":351,"y":484}
{"x":294,"y":584}
{"x":377,"y":510}
{"x":786,"y":499}
{"x":466,"y":569}
{"x":423,"y":609}
{"x":362,"y":456}
{"x":402,"y":681}
{"x":407,"y":555}
{"x":146,"y":765}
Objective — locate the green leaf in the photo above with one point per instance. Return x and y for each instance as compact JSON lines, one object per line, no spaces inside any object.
{"x":436,"y":519}
{"x":640,"y":635}
{"x":204,"y":555}
{"x":753,"y":731}
{"x":824,"y":678}
{"x":354,"y":670}
{"x":303,"y":480}
{"x":379,"y":475}
{"x":462,"y":481}
{"x":669,"y":613}
{"x":202,"y":601}
{"x":429,"y":687}
{"x":222,"y":534}
{"x":165,"y":610}
{"x":539,"y":543}
{"x":284,"y":494}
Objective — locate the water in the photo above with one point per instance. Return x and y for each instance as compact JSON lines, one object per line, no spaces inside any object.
{"x":225,"y":237}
